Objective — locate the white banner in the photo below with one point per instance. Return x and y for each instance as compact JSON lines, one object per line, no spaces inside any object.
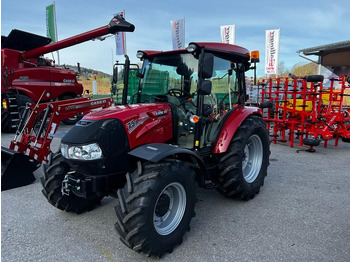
{"x":271,"y":51}
{"x":120,"y":42}
{"x":228,"y":34}
{"x":178,"y":33}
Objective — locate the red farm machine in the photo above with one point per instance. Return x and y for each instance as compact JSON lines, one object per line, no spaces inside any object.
{"x":302,"y":111}
{"x":35,"y":98}
{"x":186,"y":126}
{"x":29,"y":77}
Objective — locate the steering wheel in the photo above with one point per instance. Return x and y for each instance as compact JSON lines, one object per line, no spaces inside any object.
{"x":177,"y":92}
{"x":221,"y":103}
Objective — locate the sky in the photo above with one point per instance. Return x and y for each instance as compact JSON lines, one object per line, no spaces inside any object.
{"x":303,"y":24}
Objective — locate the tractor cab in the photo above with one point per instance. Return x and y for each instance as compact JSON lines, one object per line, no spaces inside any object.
{"x":202,"y":84}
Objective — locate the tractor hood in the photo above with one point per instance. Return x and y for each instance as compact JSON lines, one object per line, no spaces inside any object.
{"x":116,"y":131}
{"x":143,"y":123}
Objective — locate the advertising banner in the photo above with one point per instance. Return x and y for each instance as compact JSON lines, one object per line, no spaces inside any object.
{"x":178,"y":33}
{"x":120,"y":40}
{"x":51,"y":23}
{"x":228,"y":34}
{"x":271,"y":51}
{"x":120,"y":43}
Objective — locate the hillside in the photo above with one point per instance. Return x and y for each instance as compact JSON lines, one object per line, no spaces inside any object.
{"x":87,"y":76}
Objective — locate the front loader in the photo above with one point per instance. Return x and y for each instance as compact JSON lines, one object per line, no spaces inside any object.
{"x":25,"y":77}
{"x":188,"y":126}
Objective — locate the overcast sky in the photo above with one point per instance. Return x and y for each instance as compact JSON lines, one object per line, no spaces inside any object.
{"x":303,"y":24}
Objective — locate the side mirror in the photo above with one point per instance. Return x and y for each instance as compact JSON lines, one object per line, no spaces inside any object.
{"x":206,"y":65}
{"x":205,"y":88}
{"x":115,"y":75}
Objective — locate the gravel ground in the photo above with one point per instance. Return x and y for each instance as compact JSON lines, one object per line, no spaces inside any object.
{"x":301,"y":214}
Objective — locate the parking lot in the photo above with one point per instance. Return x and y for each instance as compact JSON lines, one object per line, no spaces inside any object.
{"x":301,"y":214}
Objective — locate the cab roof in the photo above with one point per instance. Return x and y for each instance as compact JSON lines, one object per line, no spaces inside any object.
{"x":227,"y":51}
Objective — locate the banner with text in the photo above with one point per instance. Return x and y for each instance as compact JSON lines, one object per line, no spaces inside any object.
{"x":271,"y":51}
{"x":228,"y":34}
{"x":120,"y":40}
{"x":178,"y":33}
{"x":51,"y":23}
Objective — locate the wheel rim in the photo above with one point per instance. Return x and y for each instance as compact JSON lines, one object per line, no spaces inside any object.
{"x":169,"y":209}
{"x":252,"y":160}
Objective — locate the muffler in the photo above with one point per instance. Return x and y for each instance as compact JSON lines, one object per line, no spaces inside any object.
{"x":16,"y":169}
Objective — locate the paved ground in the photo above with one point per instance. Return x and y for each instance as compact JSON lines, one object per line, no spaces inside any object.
{"x":301,"y":214}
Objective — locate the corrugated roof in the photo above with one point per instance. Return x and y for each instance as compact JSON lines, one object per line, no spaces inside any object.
{"x":330,"y":48}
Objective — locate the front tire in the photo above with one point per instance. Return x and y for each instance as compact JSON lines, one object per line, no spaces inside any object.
{"x":243,"y":167}
{"x":52,"y":185}
{"x":155,"y":207}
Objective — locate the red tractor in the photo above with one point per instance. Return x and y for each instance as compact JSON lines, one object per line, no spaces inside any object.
{"x":28,"y":77}
{"x":187,"y":126}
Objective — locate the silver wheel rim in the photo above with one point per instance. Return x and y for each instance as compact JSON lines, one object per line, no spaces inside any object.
{"x":169,"y":209}
{"x":252,"y":159}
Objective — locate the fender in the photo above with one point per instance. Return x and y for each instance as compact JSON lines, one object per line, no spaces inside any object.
{"x":27,"y":92}
{"x":231,"y":125}
{"x":158,"y":151}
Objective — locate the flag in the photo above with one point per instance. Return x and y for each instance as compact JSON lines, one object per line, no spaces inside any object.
{"x":271,"y":51}
{"x":51,"y":22}
{"x":228,"y":34}
{"x":120,"y":42}
{"x":178,"y":33}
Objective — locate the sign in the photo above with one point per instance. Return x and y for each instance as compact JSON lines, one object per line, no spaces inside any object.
{"x":271,"y":51}
{"x":178,"y":33}
{"x":228,"y":34}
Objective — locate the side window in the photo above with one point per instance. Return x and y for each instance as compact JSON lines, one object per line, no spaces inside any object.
{"x":222,"y":99}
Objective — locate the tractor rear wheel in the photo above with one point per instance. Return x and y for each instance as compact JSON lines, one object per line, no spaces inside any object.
{"x":155,"y":207}
{"x":52,"y":185}
{"x":243,"y":167}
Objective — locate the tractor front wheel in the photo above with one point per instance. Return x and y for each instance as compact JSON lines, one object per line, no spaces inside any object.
{"x":52,"y":185}
{"x":243,"y":167}
{"x":155,"y":207}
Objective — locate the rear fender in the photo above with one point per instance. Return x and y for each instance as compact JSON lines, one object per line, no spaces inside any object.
{"x":231,"y":125}
{"x":157,"y":151}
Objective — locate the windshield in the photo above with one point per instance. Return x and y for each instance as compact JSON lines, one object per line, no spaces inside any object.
{"x":173,"y":78}
{"x":169,"y":73}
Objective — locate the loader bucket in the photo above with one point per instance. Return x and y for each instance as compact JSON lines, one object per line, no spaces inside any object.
{"x":16,"y":169}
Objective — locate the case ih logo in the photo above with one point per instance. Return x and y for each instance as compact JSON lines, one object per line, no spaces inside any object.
{"x":98,"y":102}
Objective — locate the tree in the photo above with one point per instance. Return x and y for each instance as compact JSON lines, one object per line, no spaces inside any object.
{"x":302,"y":69}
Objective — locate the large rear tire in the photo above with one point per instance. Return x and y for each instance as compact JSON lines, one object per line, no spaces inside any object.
{"x":6,"y":122}
{"x":243,"y":167}
{"x":155,"y":207}
{"x":52,"y":185}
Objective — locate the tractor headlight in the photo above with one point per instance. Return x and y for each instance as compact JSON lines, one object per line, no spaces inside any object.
{"x":82,"y":152}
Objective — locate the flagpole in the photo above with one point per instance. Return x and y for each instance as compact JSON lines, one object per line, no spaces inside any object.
{"x":56,"y":36}
{"x":184,"y":34}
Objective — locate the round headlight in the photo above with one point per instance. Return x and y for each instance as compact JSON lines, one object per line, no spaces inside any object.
{"x":140,"y":54}
{"x":191,"y":48}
